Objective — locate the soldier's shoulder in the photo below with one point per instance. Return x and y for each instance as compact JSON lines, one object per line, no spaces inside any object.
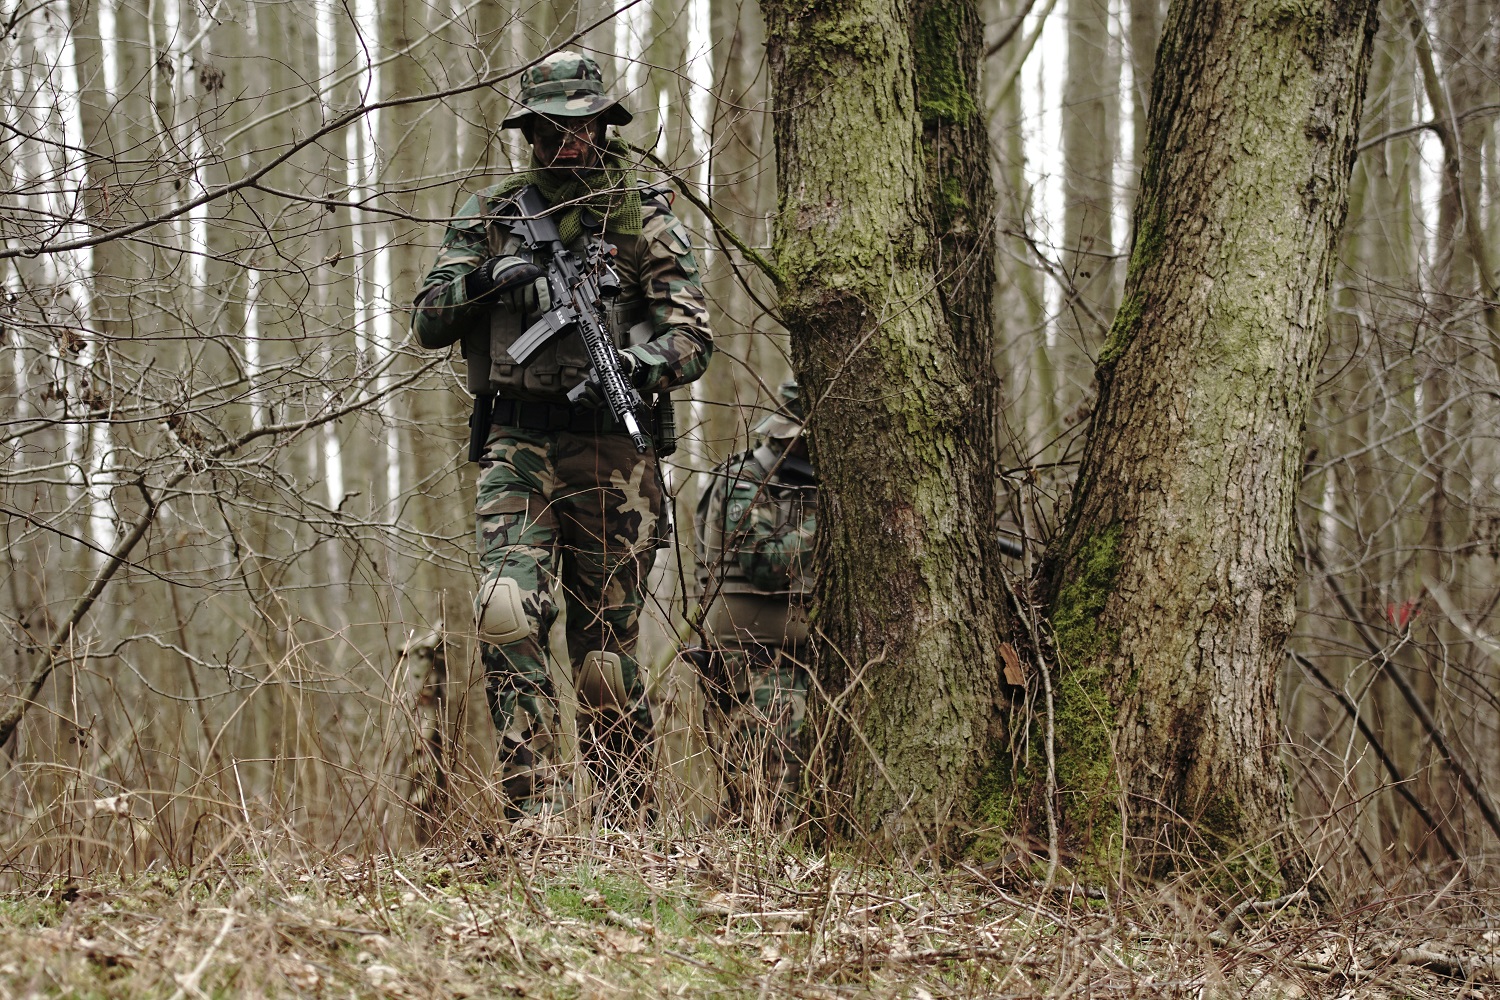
{"x":656,"y":198}
{"x":489,"y":201}
{"x":741,"y":472}
{"x":470,"y":214}
{"x":502,"y":190}
{"x":659,"y":222}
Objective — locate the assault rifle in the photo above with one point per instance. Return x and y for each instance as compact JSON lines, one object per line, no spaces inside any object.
{"x":578,"y":296}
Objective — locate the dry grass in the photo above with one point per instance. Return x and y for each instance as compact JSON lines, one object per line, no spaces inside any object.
{"x":725,"y":915}
{"x":135,"y":864}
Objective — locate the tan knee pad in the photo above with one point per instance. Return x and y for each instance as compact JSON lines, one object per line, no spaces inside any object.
{"x":502,"y":618}
{"x":601,"y":682}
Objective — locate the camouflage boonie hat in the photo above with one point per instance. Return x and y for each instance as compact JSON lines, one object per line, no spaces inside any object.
{"x":566,"y":85}
{"x":787,"y":421}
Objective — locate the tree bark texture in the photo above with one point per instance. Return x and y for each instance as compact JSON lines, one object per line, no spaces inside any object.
{"x":876,"y":271}
{"x":1171,"y":587}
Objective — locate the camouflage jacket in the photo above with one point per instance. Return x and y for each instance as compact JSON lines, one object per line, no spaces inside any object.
{"x":660,"y":316}
{"x":755,"y":530}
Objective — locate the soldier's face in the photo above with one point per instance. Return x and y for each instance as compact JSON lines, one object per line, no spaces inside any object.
{"x":568,"y":144}
{"x":797,"y":447}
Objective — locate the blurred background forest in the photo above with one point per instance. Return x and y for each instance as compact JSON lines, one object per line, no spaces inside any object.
{"x":233,"y":492}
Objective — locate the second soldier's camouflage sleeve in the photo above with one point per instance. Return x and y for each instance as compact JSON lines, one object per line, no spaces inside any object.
{"x":441,"y":313}
{"x":679,"y":351}
{"x":771,"y":548}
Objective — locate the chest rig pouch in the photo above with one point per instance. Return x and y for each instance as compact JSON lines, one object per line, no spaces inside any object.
{"x":561,"y":363}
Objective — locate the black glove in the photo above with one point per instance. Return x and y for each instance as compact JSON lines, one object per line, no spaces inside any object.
{"x":498,"y":274}
{"x":630,"y":367}
{"x":587,"y":393}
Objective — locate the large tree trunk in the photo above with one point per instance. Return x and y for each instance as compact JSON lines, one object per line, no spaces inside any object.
{"x":1171,"y":587}
{"x":906,"y":606}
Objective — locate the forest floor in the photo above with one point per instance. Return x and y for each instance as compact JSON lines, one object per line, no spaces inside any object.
{"x":615,"y":915}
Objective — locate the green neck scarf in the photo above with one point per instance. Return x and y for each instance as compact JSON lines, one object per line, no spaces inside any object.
{"x":609,"y":193}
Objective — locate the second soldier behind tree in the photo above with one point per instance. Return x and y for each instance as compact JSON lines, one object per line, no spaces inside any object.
{"x":755,"y":526}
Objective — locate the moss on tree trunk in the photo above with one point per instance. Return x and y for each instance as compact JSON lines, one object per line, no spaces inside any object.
{"x":892,"y":348}
{"x":1171,"y":587}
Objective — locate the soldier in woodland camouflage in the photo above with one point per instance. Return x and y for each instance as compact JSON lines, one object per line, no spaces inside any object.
{"x":566,"y":505}
{"x":755,"y":524}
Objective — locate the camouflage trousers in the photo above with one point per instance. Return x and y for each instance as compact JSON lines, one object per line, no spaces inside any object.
{"x":572,"y":515}
{"x":758,"y":695}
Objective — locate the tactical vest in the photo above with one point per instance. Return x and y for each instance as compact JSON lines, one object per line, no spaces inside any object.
{"x":741,"y":611}
{"x":562,"y":362}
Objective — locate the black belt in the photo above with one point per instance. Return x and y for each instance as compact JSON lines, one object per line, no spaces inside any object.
{"x":556,"y":417}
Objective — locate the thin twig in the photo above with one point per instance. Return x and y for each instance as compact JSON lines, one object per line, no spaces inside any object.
{"x":1015,"y":25}
{"x":1398,"y":781}
{"x":751,"y":254}
{"x":1409,"y":694}
{"x":64,"y":633}
{"x":1236,"y":918}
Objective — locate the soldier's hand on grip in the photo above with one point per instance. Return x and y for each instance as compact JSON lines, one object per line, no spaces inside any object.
{"x":498,"y":274}
{"x":589,"y":395}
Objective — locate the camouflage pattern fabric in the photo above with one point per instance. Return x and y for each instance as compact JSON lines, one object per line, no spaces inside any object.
{"x":766,"y":522}
{"x":658,"y":262}
{"x":566,"y":512}
{"x":756,"y":529}
{"x":566,"y":85}
{"x":580,"y":511}
{"x":760,"y":694}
